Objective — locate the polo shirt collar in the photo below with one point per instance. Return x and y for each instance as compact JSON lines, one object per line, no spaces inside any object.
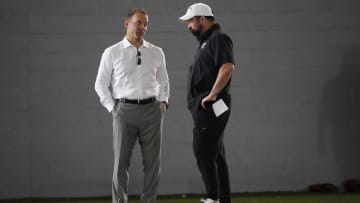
{"x":127,"y":44}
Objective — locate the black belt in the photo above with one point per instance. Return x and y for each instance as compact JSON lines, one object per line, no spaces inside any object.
{"x":137,"y":101}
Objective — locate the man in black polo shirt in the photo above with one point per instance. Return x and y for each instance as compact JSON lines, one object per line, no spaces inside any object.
{"x":208,"y":83}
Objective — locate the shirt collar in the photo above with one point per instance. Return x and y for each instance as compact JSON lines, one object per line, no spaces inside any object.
{"x":127,"y":44}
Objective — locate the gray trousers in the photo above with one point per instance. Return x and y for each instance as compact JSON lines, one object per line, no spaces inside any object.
{"x":142,"y":123}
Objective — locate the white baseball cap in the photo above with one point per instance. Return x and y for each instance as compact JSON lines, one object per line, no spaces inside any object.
{"x":198,"y":9}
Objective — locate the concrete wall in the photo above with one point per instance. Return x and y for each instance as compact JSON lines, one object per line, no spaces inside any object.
{"x":296,"y":95}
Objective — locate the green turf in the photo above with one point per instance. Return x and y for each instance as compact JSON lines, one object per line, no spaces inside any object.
{"x":244,"y":198}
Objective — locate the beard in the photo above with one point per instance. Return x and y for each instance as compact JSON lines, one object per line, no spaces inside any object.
{"x":196,"y":33}
{"x":139,"y":35}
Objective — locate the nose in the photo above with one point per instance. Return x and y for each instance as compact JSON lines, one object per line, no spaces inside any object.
{"x":143,"y":26}
{"x":189,"y":26}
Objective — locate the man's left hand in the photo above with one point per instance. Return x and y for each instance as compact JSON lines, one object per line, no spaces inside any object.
{"x":164,"y":105}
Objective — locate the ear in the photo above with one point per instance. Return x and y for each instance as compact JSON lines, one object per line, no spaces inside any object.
{"x":126,"y":24}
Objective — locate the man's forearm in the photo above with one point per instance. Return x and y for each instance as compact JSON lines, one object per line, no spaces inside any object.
{"x":222,"y":79}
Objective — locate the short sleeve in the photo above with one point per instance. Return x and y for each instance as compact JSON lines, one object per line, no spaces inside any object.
{"x":223,"y":50}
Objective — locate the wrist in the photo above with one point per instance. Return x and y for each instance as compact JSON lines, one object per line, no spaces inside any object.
{"x":212,"y":96}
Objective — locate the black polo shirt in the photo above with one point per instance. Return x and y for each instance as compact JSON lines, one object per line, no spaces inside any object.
{"x":214,"y":50}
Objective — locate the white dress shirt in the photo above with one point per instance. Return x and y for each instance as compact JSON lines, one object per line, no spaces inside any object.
{"x":120,"y":76}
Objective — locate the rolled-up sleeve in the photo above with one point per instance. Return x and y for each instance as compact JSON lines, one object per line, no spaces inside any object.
{"x":103,"y":79}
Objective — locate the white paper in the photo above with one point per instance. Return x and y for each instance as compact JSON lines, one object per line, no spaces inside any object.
{"x":219,"y":107}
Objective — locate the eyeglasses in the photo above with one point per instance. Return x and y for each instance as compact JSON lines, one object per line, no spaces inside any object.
{"x":138,"y":59}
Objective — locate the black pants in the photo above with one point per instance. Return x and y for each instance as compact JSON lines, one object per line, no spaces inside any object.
{"x":209,"y":151}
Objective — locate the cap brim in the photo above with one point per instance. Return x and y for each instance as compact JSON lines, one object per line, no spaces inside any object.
{"x":186,"y":17}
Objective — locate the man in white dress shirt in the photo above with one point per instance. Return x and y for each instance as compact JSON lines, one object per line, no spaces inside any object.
{"x":132,"y":83}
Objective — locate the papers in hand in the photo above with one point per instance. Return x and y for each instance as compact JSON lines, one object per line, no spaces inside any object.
{"x":219,"y":107}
